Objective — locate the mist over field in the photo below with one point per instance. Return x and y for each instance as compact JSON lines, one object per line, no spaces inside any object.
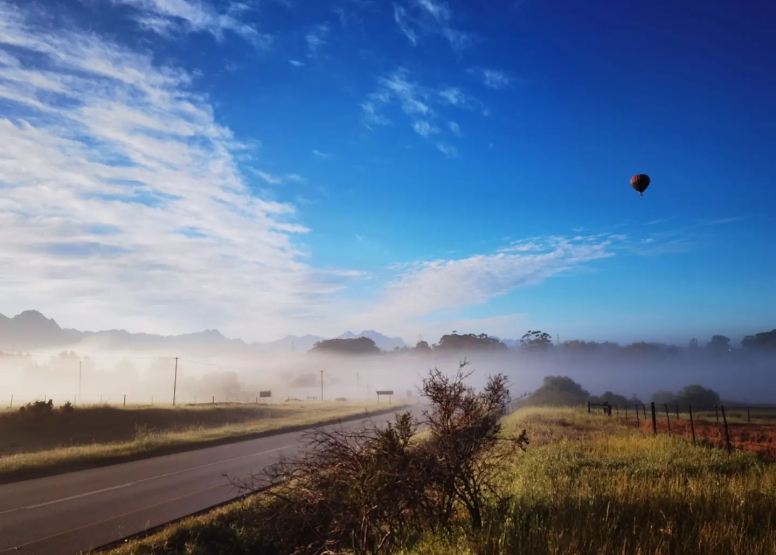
{"x":148,"y":376}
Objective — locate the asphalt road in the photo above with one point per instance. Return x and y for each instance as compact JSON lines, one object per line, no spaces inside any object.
{"x":79,"y":511}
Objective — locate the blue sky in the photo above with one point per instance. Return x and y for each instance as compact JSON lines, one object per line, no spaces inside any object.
{"x":415,"y":166}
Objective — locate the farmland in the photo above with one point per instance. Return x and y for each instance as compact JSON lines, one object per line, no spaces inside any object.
{"x":587,"y":484}
{"x":56,"y":440}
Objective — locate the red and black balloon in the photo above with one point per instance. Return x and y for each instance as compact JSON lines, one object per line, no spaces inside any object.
{"x":640,"y":182}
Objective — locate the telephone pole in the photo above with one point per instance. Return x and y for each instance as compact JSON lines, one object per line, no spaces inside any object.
{"x":321,"y":385}
{"x":175,"y":383}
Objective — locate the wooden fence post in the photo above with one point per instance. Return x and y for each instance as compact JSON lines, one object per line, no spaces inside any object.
{"x":644,"y":408}
{"x":214,"y":400}
{"x":668,"y":418}
{"x":637,"y":417}
{"x":617,"y":410}
{"x":727,"y":434}
{"x":716,"y":411}
{"x":677,"y":412}
{"x":654,"y":419}
{"x":692,"y":424}
{"x":588,"y":407}
{"x":748,"y":416}
{"x":125,"y":400}
{"x":626,"y":413}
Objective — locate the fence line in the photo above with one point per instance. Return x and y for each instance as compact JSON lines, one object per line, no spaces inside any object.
{"x":605,"y":408}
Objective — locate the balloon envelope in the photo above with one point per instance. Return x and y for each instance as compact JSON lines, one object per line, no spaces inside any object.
{"x":640,"y":182}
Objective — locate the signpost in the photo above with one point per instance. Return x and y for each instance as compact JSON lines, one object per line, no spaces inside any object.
{"x":386,"y":392}
{"x":263,"y":394}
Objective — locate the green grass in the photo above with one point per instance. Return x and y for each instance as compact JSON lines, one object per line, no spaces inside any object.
{"x":101,"y":435}
{"x":587,"y":485}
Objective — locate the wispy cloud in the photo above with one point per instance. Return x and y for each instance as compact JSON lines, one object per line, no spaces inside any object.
{"x":424,"y":128}
{"x":495,"y":79}
{"x":274,"y":179}
{"x":454,"y":96}
{"x":429,"y":17}
{"x":403,"y":21}
{"x":296,"y":63}
{"x":316,"y":39}
{"x":447,"y":150}
{"x":96,"y":137}
{"x":424,"y":106}
{"x":269,"y":178}
{"x":321,"y":155}
{"x":168,"y":17}
{"x":430,"y":287}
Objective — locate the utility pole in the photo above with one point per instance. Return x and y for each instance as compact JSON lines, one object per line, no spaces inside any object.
{"x":321,"y":385}
{"x":79,"y":381}
{"x":175,"y":383}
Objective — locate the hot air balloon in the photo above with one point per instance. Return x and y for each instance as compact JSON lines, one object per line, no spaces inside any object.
{"x":640,"y":182}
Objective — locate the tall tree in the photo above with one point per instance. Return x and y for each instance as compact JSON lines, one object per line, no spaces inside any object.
{"x":536,"y":341}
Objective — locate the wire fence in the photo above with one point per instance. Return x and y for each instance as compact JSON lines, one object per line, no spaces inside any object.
{"x":751,"y":428}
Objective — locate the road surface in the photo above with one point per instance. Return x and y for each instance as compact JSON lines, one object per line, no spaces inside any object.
{"x":78,"y":511}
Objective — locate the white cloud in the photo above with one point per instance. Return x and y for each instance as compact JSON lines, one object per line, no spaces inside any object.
{"x":167,"y":17}
{"x":447,"y":150}
{"x":403,"y":21}
{"x":424,"y":128}
{"x":440,"y":285}
{"x":423,"y":105}
{"x":316,"y":39}
{"x":269,"y":178}
{"x":429,"y":17}
{"x":123,"y":204}
{"x":495,"y":79}
{"x":321,"y":155}
{"x":296,"y":178}
{"x":296,"y":63}
{"x":454,"y":96}
{"x":438,"y":10}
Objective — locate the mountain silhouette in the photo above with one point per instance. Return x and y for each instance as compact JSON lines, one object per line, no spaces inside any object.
{"x":32,"y":330}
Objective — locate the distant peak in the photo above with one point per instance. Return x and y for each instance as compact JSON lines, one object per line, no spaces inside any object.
{"x":30,"y":314}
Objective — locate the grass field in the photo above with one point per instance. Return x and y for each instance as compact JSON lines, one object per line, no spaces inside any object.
{"x":588,"y":485}
{"x":100,"y":434}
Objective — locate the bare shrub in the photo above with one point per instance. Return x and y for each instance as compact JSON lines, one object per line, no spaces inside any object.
{"x":375,"y":490}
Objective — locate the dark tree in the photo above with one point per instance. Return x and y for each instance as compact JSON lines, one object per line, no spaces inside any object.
{"x":698,"y":396}
{"x":693,"y":345}
{"x":422,"y":346}
{"x":536,"y":341}
{"x":764,"y":341}
{"x":719,"y":344}
{"x":663,"y":396}
{"x":580,"y":347}
{"x":558,"y":391}
{"x":470,"y":341}
{"x":358,"y":346}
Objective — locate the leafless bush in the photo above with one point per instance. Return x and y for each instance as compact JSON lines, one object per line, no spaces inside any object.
{"x":374,"y":490}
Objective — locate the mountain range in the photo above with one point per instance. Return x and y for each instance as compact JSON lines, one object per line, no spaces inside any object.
{"x":32,"y":330}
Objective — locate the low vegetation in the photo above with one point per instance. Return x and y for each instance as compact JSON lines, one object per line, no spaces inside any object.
{"x":587,"y":484}
{"x":40,"y":439}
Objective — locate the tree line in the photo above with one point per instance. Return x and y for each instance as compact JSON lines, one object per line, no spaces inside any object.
{"x":537,"y":341}
{"x":563,"y":391}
